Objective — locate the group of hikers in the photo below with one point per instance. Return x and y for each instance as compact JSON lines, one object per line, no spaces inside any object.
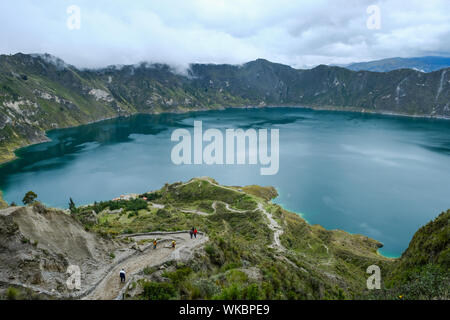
{"x":193,"y":233}
{"x":174,"y":243}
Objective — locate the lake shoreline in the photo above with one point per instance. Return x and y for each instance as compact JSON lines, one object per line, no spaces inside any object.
{"x":321,"y":206}
{"x":316,"y":108}
{"x":303,"y":216}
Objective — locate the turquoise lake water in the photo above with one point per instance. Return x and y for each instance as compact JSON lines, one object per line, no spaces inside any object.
{"x":381,"y":176}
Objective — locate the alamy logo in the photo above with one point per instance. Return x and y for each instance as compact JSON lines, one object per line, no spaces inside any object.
{"x":236,"y":147}
{"x":74,"y":20}
{"x":74,"y":280}
{"x":374,"y":281}
{"x":374,"y":20}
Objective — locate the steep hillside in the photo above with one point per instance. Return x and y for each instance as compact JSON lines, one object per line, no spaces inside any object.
{"x":250,"y":248}
{"x":40,"y":92}
{"x":38,"y":244}
{"x":423,"y":272}
{"x":430,"y":244}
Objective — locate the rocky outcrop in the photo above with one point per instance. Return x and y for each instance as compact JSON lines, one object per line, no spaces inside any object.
{"x":37,"y":247}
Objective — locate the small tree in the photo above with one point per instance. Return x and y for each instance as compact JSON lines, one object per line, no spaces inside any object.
{"x":29,"y":198}
{"x":72,"y":206}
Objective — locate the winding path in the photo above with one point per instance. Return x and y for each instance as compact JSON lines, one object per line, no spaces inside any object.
{"x":275,"y":227}
{"x":202,"y":213}
{"x":273,"y":224}
{"x":110,"y":287}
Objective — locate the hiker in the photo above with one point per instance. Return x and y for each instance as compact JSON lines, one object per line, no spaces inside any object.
{"x":191,"y":232}
{"x":173,"y":244}
{"x":122,"y":275}
{"x":195,"y":233}
{"x":154,"y":244}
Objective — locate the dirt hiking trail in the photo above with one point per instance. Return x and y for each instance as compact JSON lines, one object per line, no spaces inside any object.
{"x":110,"y":287}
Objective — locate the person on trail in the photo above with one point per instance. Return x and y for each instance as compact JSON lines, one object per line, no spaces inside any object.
{"x":122,"y":275}
{"x":191,"y":232}
{"x":154,"y":244}
{"x":195,"y":233}
{"x":173,"y":244}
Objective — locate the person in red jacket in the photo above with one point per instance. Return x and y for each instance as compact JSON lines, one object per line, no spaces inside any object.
{"x":195,"y":232}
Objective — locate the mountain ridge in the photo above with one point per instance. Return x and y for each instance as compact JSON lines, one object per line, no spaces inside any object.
{"x":40,"y":92}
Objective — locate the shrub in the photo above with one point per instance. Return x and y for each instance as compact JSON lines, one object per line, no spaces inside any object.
{"x":132,"y":214}
{"x":236,"y":276}
{"x":12,"y":293}
{"x":178,"y":275}
{"x":39,"y":207}
{"x":204,"y":289}
{"x":233,"y":292}
{"x":231,"y":265}
{"x":252,"y":292}
{"x":427,"y":282}
{"x":151,"y":196}
{"x":126,"y":205}
{"x":163,"y":213}
{"x":29,"y":198}
{"x":149,"y":270}
{"x":209,"y":249}
{"x":158,"y":291}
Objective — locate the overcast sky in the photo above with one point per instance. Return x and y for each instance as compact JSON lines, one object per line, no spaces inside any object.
{"x":295,"y":32}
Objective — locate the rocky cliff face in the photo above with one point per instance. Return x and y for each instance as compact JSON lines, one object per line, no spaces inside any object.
{"x":37,"y":245}
{"x":40,"y":92}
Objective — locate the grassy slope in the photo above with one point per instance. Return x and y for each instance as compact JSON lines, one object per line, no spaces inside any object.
{"x":320,"y":264}
{"x":423,"y":272}
{"x":238,"y":262}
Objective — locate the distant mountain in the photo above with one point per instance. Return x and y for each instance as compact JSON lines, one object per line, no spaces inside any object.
{"x":424,"y":64}
{"x":41,"y":92}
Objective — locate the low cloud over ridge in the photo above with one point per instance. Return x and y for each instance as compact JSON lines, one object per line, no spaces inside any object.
{"x":178,"y":32}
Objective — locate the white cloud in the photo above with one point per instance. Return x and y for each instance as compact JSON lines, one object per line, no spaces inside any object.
{"x":298,"y":33}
